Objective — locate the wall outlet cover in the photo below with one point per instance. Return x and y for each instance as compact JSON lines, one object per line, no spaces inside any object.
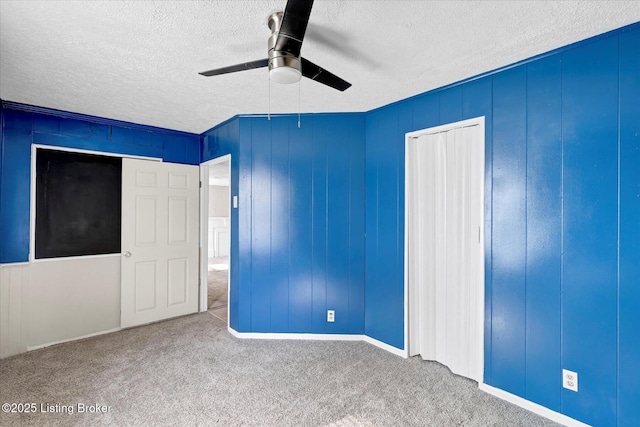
{"x":331,"y":315}
{"x":570,"y":380}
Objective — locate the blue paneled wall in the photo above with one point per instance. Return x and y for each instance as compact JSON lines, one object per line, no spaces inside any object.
{"x":562,"y":222}
{"x":23,"y":126}
{"x":629,"y":231}
{"x":300,"y":221}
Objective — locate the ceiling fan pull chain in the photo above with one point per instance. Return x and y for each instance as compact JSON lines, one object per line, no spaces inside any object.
{"x":299,"y":84}
{"x":269,"y":110}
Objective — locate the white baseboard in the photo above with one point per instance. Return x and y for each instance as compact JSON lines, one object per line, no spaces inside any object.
{"x":531,"y":406}
{"x":317,"y":337}
{"x":391,"y":349}
{"x":293,"y":336}
{"x":39,"y":346}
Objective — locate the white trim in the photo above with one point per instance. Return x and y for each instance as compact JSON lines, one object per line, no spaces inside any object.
{"x":32,"y":195}
{"x":71,"y":258}
{"x":294,"y":336}
{"x":204,"y":230}
{"x":391,"y":349}
{"x":446,"y":127}
{"x":32,"y":205}
{"x":531,"y":406}
{"x":99,"y":153}
{"x":14,"y":264}
{"x":37,"y":347}
{"x":316,"y":337}
{"x":477,"y":121}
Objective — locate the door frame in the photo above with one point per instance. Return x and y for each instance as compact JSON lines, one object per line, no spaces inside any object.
{"x":409,"y":137}
{"x":204,"y":229}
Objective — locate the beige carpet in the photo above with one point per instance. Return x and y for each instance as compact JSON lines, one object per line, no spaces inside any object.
{"x":217,"y":280}
{"x":191,"y":371}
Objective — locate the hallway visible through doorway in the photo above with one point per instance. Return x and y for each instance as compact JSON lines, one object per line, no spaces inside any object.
{"x":216,"y":236}
{"x":217,"y":280}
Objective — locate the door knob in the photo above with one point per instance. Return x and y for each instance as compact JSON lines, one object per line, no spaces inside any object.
{"x":127,"y":254}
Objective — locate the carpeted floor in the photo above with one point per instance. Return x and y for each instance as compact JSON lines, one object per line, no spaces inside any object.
{"x":191,"y":371}
{"x":217,"y":284}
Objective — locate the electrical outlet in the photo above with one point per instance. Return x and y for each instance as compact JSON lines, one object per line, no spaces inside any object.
{"x":570,"y":380}
{"x":331,"y":315}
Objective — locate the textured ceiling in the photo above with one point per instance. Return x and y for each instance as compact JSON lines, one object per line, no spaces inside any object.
{"x":138,"y":61}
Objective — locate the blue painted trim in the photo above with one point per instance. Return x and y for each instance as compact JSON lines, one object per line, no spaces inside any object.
{"x":608,"y":34}
{"x":94,"y":119}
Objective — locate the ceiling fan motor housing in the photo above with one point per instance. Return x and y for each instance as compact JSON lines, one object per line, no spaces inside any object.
{"x":284,"y":67}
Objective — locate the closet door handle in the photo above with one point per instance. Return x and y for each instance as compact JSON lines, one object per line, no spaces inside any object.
{"x":127,"y":254}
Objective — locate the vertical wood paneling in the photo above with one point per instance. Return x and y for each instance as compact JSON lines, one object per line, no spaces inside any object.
{"x":451,"y":105}
{"x":629,"y":255}
{"x":425,"y":111}
{"x":338,"y":226}
{"x":245,"y":232}
{"x":261,"y":226}
{"x":477,"y":97}
{"x":590,"y":218}
{"x":384,"y":310}
{"x":300,"y":255}
{"x":405,"y":125}
{"x":319,"y":219}
{"x":356,"y":226}
{"x":509,"y":231}
{"x":544,"y":199}
{"x":296,"y":223}
{"x":15,"y":189}
{"x":373,"y":298}
{"x":14,"y":282}
{"x":387,"y":310}
{"x":280,"y":218}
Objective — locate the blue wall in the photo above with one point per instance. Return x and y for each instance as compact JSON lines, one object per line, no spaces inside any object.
{"x":24,"y":125}
{"x":300,"y":240}
{"x":562,"y":222}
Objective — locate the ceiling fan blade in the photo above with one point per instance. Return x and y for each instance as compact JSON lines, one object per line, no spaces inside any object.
{"x":293,"y":26}
{"x":319,"y":74}
{"x":239,"y":67}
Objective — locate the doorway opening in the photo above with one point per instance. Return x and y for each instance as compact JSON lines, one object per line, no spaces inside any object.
{"x":444,"y":246}
{"x":216,"y":236}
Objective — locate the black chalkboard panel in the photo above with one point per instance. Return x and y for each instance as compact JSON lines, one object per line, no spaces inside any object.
{"x":78,"y":204}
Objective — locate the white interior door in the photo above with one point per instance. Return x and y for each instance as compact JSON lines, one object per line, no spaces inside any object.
{"x":445,"y":193}
{"x":160,"y":204}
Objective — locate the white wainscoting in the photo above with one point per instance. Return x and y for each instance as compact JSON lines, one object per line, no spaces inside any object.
{"x":73,"y":298}
{"x":14,"y":288}
{"x":52,"y":301}
{"x":218,"y":236}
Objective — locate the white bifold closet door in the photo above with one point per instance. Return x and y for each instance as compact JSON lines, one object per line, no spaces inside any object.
{"x":445,"y":191}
